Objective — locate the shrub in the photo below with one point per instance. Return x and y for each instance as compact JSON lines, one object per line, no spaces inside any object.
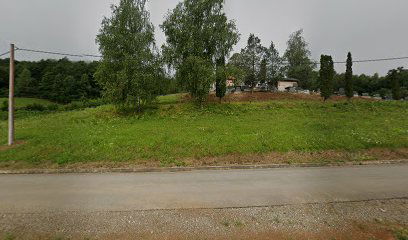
{"x":401,"y":234}
{"x":4,"y":105}
{"x":53,"y":107}
{"x":84,"y":104}
{"x":35,"y":107}
{"x":198,"y":75}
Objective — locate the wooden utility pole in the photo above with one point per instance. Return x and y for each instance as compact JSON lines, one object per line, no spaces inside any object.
{"x":11,"y":99}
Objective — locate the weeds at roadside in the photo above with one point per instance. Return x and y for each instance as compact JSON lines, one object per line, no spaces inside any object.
{"x":9,"y":236}
{"x":401,"y":234}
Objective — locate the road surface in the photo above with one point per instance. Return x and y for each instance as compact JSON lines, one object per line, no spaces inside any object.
{"x":200,"y":189}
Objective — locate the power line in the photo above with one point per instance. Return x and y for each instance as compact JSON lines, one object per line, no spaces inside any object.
{"x":57,"y":53}
{"x":90,"y":55}
{"x":285,"y":62}
{"x":4,"y":53}
{"x":377,"y":60}
{"x":360,"y":61}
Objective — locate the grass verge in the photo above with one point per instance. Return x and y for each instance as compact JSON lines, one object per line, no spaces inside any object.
{"x":176,"y":133}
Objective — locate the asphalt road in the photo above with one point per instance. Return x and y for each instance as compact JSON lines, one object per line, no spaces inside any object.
{"x":200,"y":189}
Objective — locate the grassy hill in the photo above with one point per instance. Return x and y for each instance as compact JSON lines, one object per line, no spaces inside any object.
{"x":178,"y":133}
{"x":23,"y":102}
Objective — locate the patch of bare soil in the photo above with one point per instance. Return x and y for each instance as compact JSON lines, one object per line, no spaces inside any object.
{"x":322,"y":157}
{"x":16,"y":145}
{"x":270,"y":96}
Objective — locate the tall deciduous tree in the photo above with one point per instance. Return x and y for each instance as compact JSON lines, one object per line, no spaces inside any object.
{"x":199,"y":75}
{"x":274,"y":64}
{"x":25,"y":84}
{"x":198,"y":29}
{"x":326,"y":76}
{"x":252,"y":55}
{"x":349,"y":77}
{"x":298,"y":57}
{"x":236,"y":68}
{"x":130,"y":67}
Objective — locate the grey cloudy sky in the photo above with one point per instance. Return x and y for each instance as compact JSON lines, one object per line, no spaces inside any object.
{"x":367,"y":28}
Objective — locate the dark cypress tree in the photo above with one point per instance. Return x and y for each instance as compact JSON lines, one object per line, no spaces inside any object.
{"x":395,"y":84}
{"x":263,"y":72}
{"x":349,"y":77}
{"x":326,"y":76}
{"x":221,"y":81}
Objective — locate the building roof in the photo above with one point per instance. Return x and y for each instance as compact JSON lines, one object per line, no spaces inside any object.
{"x":289,"y":80}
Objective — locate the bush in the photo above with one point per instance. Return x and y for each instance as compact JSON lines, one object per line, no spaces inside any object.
{"x":53,"y":107}
{"x":35,"y":107}
{"x":4,"y":106}
{"x":84,"y":104}
{"x":401,"y":234}
{"x":198,"y":75}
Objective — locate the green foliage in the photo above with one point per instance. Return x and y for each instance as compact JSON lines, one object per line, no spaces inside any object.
{"x":394,"y":78}
{"x":45,"y":79}
{"x":262,"y":72}
{"x":130,"y":70}
{"x":256,"y":63}
{"x":4,"y":78}
{"x":221,"y":78}
{"x":349,"y":90}
{"x":401,"y":234}
{"x":25,"y":84}
{"x":232,"y":70}
{"x":197,"y":30}
{"x":251,"y":56}
{"x":35,"y":107}
{"x":198,"y":75}
{"x":326,"y":76}
{"x":298,"y":56}
{"x":9,"y":236}
{"x":4,"y":106}
{"x":274,"y":66}
{"x":23,"y":102}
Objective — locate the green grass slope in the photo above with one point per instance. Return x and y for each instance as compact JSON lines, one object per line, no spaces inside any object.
{"x":23,"y":102}
{"x":177,"y":131}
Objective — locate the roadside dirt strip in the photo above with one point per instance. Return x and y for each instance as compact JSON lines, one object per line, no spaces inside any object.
{"x":377,"y":219}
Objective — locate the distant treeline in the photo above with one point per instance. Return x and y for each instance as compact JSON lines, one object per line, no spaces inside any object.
{"x":61,"y":81}
{"x":257,"y":63}
{"x":375,"y":84}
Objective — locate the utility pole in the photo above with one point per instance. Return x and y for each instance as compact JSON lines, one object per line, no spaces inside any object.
{"x":11,"y":98}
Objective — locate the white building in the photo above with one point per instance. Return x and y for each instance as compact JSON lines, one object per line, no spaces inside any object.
{"x":285,"y":84}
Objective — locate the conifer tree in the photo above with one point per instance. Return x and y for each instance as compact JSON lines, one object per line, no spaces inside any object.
{"x":349,"y":77}
{"x":326,"y":76}
{"x":221,"y":85}
{"x":395,"y":84}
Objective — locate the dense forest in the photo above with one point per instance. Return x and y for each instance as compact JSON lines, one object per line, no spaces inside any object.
{"x":61,"y":81}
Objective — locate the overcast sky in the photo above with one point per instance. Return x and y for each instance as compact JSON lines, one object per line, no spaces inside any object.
{"x":367,"y":28}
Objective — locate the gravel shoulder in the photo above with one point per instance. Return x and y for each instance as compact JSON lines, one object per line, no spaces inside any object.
{"x":376,"y":219}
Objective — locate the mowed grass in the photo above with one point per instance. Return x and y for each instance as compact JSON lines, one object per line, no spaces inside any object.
{"x":23,"y":102}
{"x":175,"y":131}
